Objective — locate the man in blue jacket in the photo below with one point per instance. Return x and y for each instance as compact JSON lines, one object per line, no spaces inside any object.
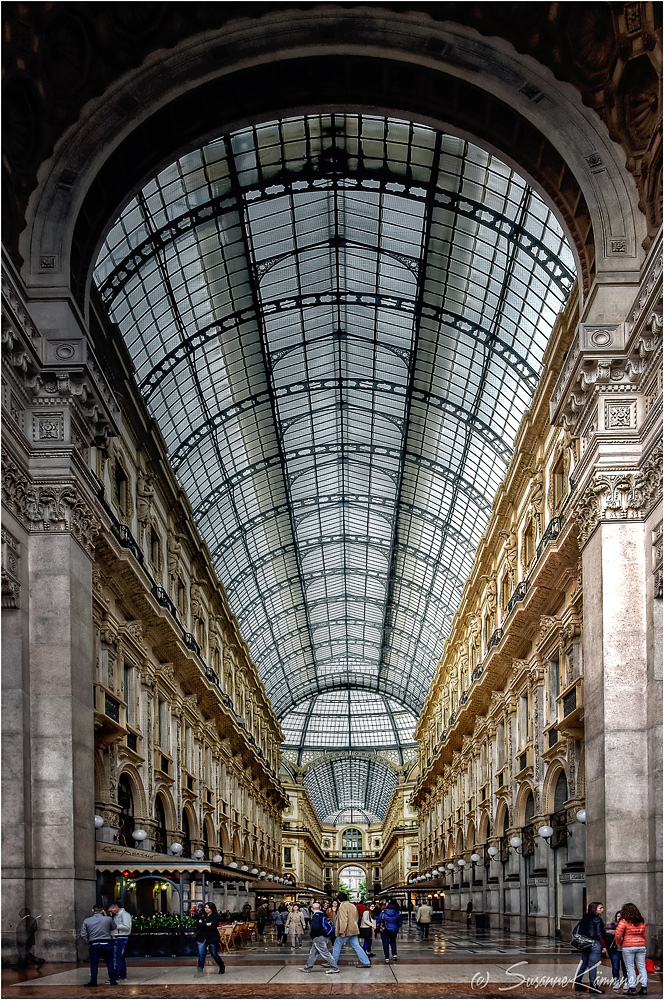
{"x":322,"y":929}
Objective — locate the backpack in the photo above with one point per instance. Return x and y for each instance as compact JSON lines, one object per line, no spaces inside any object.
{"x":328,"y":926}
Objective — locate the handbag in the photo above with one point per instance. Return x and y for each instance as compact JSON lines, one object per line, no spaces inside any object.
{"x":581,"y":942}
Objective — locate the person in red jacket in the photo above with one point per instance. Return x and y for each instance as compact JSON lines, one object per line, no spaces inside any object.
{"x":631,"y":937}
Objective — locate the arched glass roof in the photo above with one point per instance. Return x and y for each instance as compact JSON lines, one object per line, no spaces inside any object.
{"x":351,"y":790}
{"x":344,"y":719}
{"x":338,"y":322}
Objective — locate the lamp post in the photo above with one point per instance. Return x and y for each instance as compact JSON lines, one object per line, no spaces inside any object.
{"x":176,"y":849}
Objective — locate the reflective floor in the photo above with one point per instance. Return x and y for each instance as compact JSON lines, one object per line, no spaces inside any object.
{"x":452,"y":962}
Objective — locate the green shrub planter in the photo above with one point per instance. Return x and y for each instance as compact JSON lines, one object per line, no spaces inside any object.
{"x":159,"y":943}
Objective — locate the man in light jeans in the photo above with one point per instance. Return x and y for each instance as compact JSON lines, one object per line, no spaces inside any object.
{"x":346,"y":929}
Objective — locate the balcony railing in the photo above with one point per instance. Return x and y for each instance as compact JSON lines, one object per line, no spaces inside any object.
{"x":496,"y":636}
{"x":553,"y":529}
{"x":518,"y":595}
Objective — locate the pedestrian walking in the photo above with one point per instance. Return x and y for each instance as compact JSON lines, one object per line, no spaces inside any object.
{"x":631,"y":937}
{"x":469,"y":913}
{"x":346,"y":929}
{"x":96,"y":931}
{"x":388,"y":924}
{"x":322,"y":931}
{"x":306,"y":915}
{"x":591,"y":926}
{"x":278,"y":921}
{"x":26,"y":933}
{"x":207,"y":936}
{"x":423,"y":918}
{"x":367,"y":930}
{"x":295,"y":926}
{"x":262,"y":916}
{"x":120,"y":931}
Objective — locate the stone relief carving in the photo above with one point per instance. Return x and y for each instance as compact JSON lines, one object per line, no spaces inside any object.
{"x":11,"y":588}
{"x":174,"y":558}
{"x":511,"y":548}
{"x":536,"y":496}
{"x":145,"y":494}
{"x":657,"y":547}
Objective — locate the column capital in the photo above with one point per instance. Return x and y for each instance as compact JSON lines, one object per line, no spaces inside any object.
{"x":619,"y":495}
{"x":49,"y":505}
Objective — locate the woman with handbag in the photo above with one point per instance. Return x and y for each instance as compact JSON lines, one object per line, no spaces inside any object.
{"x":631,"y":937}
{"x":207,"y":936}
{"x":590,"y":928}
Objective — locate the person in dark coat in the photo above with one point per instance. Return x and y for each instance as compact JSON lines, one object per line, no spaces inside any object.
{"x":592,"y":926}
{"x":207,"y":936}
{"x":26,"y":933}
{"x":389,"y":923}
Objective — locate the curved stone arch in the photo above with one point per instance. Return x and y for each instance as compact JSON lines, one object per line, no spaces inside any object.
{"x":208,"y":825}
{"x":164,"y":793}
{"x":90,"y":146}
{"x":484,"y":826}
{"x":500,"y":819}
{"x":353,"y":864}
{"x":458,"y":846}
{"x":138,"y":792}
{"x":526,"y":789}
{"x":556,"y":767}
{"x":450,"y":847}
{"x":471,"y":836}
{"x":226,"y":845}
{"x":194,"y":830}
{"x":237,"y":847}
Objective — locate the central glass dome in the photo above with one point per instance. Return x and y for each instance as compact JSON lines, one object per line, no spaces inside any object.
{"x":338,"y":322}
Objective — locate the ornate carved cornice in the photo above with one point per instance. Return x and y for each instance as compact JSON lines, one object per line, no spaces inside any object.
{"x":619,"y":495}
{"x":600,"y":360}
{"x":48,"y":506}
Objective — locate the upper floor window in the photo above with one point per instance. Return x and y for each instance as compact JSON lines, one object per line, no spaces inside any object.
{"x":155,"y":548}
{"x":120,"y":487}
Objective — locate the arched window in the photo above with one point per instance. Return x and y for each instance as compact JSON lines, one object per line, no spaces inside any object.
{"x":126,"y":819}
{"x":351,"y":840}
{"x":160,"y":837}
{"x":560,"y":794}
{"x":186,"y":836}
{"x":559,"y":818}
{"x":529,"y":810}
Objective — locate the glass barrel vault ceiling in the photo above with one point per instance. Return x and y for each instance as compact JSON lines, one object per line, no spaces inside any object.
{"x":338,"y":322}
{"x":350,"y":791}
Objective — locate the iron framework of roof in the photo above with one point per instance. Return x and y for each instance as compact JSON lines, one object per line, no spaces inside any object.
{"x":338,"y":322}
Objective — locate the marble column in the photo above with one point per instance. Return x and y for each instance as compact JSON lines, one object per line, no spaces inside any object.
{"x":61,"y":862}
{"x":618,"y":688}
